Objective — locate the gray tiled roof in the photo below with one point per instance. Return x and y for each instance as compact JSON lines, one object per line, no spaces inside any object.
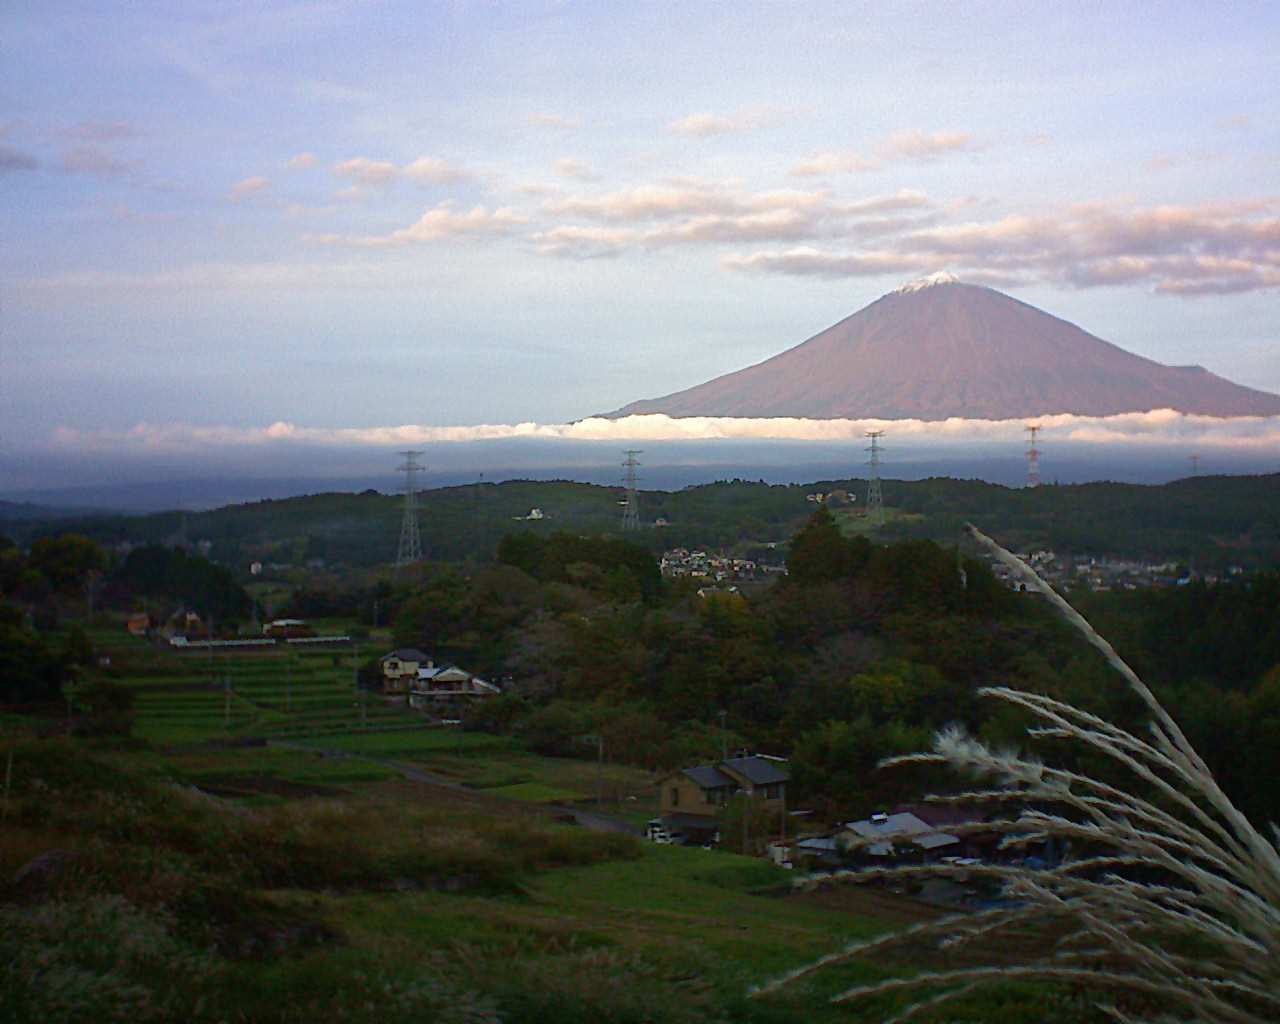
{"x":762,"y":771}
{"x":708,"y":776}
{"x":407,"y":654}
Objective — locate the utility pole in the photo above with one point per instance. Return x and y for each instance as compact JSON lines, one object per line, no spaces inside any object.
{"x":410,"y":541}
{"x":1033,"y":456}
{"x":599,"y":770}
{"x":355,"y":669}
{"x":724,"y":736}
{"x":631,"y":503}
{"x":875,"y":500}
{"x":288,"y":685}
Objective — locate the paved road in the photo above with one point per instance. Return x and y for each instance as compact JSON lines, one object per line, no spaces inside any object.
{"x":593,"y":820}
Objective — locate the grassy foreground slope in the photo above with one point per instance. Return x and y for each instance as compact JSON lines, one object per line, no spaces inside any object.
{"x":127,"y":893}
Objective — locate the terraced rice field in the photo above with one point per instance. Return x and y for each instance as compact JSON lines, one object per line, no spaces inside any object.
{"x":291,"y":693}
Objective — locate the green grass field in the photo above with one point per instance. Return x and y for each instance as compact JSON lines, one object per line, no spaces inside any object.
{"x":852,"y":522}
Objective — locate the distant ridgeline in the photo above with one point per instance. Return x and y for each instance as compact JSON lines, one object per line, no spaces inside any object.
{"x":1210,"y":522}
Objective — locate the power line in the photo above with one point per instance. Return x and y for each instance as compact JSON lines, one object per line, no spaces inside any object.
{"x":875,"y":500}
{"x":631,"y":503}
{"x":410,"y":542}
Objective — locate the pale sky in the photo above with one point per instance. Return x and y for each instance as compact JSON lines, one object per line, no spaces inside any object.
{"x":358,"y":215}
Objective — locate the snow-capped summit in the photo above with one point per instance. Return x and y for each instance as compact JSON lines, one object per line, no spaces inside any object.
{"x":928,"y":281}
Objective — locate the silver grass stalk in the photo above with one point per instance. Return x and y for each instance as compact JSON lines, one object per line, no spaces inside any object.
{"x":1219,"y":887}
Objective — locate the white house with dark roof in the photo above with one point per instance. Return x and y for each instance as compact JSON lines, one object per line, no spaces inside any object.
{"x":437,"y":686}
{"x":886,"y":836}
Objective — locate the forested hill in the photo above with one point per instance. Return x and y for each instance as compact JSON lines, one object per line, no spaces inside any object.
{"x":1214,"y":521}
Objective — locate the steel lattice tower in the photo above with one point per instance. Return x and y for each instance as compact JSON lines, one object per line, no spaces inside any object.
{"x":1195,"y":464}
{"x":410,"y":543}
{"x":1033,"y":456}
{"x":875,"y":501}
{"x":631,"y":503}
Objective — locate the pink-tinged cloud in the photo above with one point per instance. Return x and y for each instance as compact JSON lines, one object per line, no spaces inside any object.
{"x":302,"y":162}
{"x":249,"y":187}
{"x":900,"y":146}
{"x":431,"y":170}
{"x":1211,"y":249}
{"x":367,"y":172}
{"x":704,"y":125}
{"x":583,"y":243}
{"x":903,"y":199}
{"x":915,"y":145}
{"x":660,"y":202}
{"x":437,"y":224}
{"x":809,"y":262}
{"x":1160,"y":427}
{"x":831,"y":162}
{"x":766,"y":226}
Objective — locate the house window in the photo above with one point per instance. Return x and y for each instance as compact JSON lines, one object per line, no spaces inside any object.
{"x":675,"y":796}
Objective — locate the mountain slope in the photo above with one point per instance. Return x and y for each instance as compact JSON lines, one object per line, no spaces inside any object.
{"x":938,"y":348}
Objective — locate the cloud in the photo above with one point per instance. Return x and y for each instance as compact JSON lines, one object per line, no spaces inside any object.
{"x":658,"y":202}
{"x":583,"y":243}
{"x":769,"y":225}
{"x":808,"y":262}
{"x":89,"y":159}
{"x":916,"y":145}
{"x":437,"y":224}
{"x":426,"y":170}
{"x":430,"y":170}
{"x":367,"y":172}
{"x":544,"y":120}
{"x":568,"y":167}
{"x":301,"y":162}
{"x":12,"y":159}
{"x":903,"y":199}
{"x":706,"y":125}
{"x":831,"y":162}
{"x":719,"y":213}
{"x":249,"y":187}
{"x":1212,"y":249}
{"x":1160,"y":427}
{"x":900,"y":146}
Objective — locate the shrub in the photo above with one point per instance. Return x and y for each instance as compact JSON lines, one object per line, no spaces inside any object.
{"x":96,"y":959}
{"x":1174,"y":907}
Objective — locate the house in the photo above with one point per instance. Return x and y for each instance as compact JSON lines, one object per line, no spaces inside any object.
{"x":447,"y":686}
{"x":139,"y":624}
{"x":887,"y":837}
{"x":400,"y":669}
{"x":691,"y":800}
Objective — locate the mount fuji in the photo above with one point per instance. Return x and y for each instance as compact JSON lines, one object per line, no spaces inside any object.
{"x":937,"y":348}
